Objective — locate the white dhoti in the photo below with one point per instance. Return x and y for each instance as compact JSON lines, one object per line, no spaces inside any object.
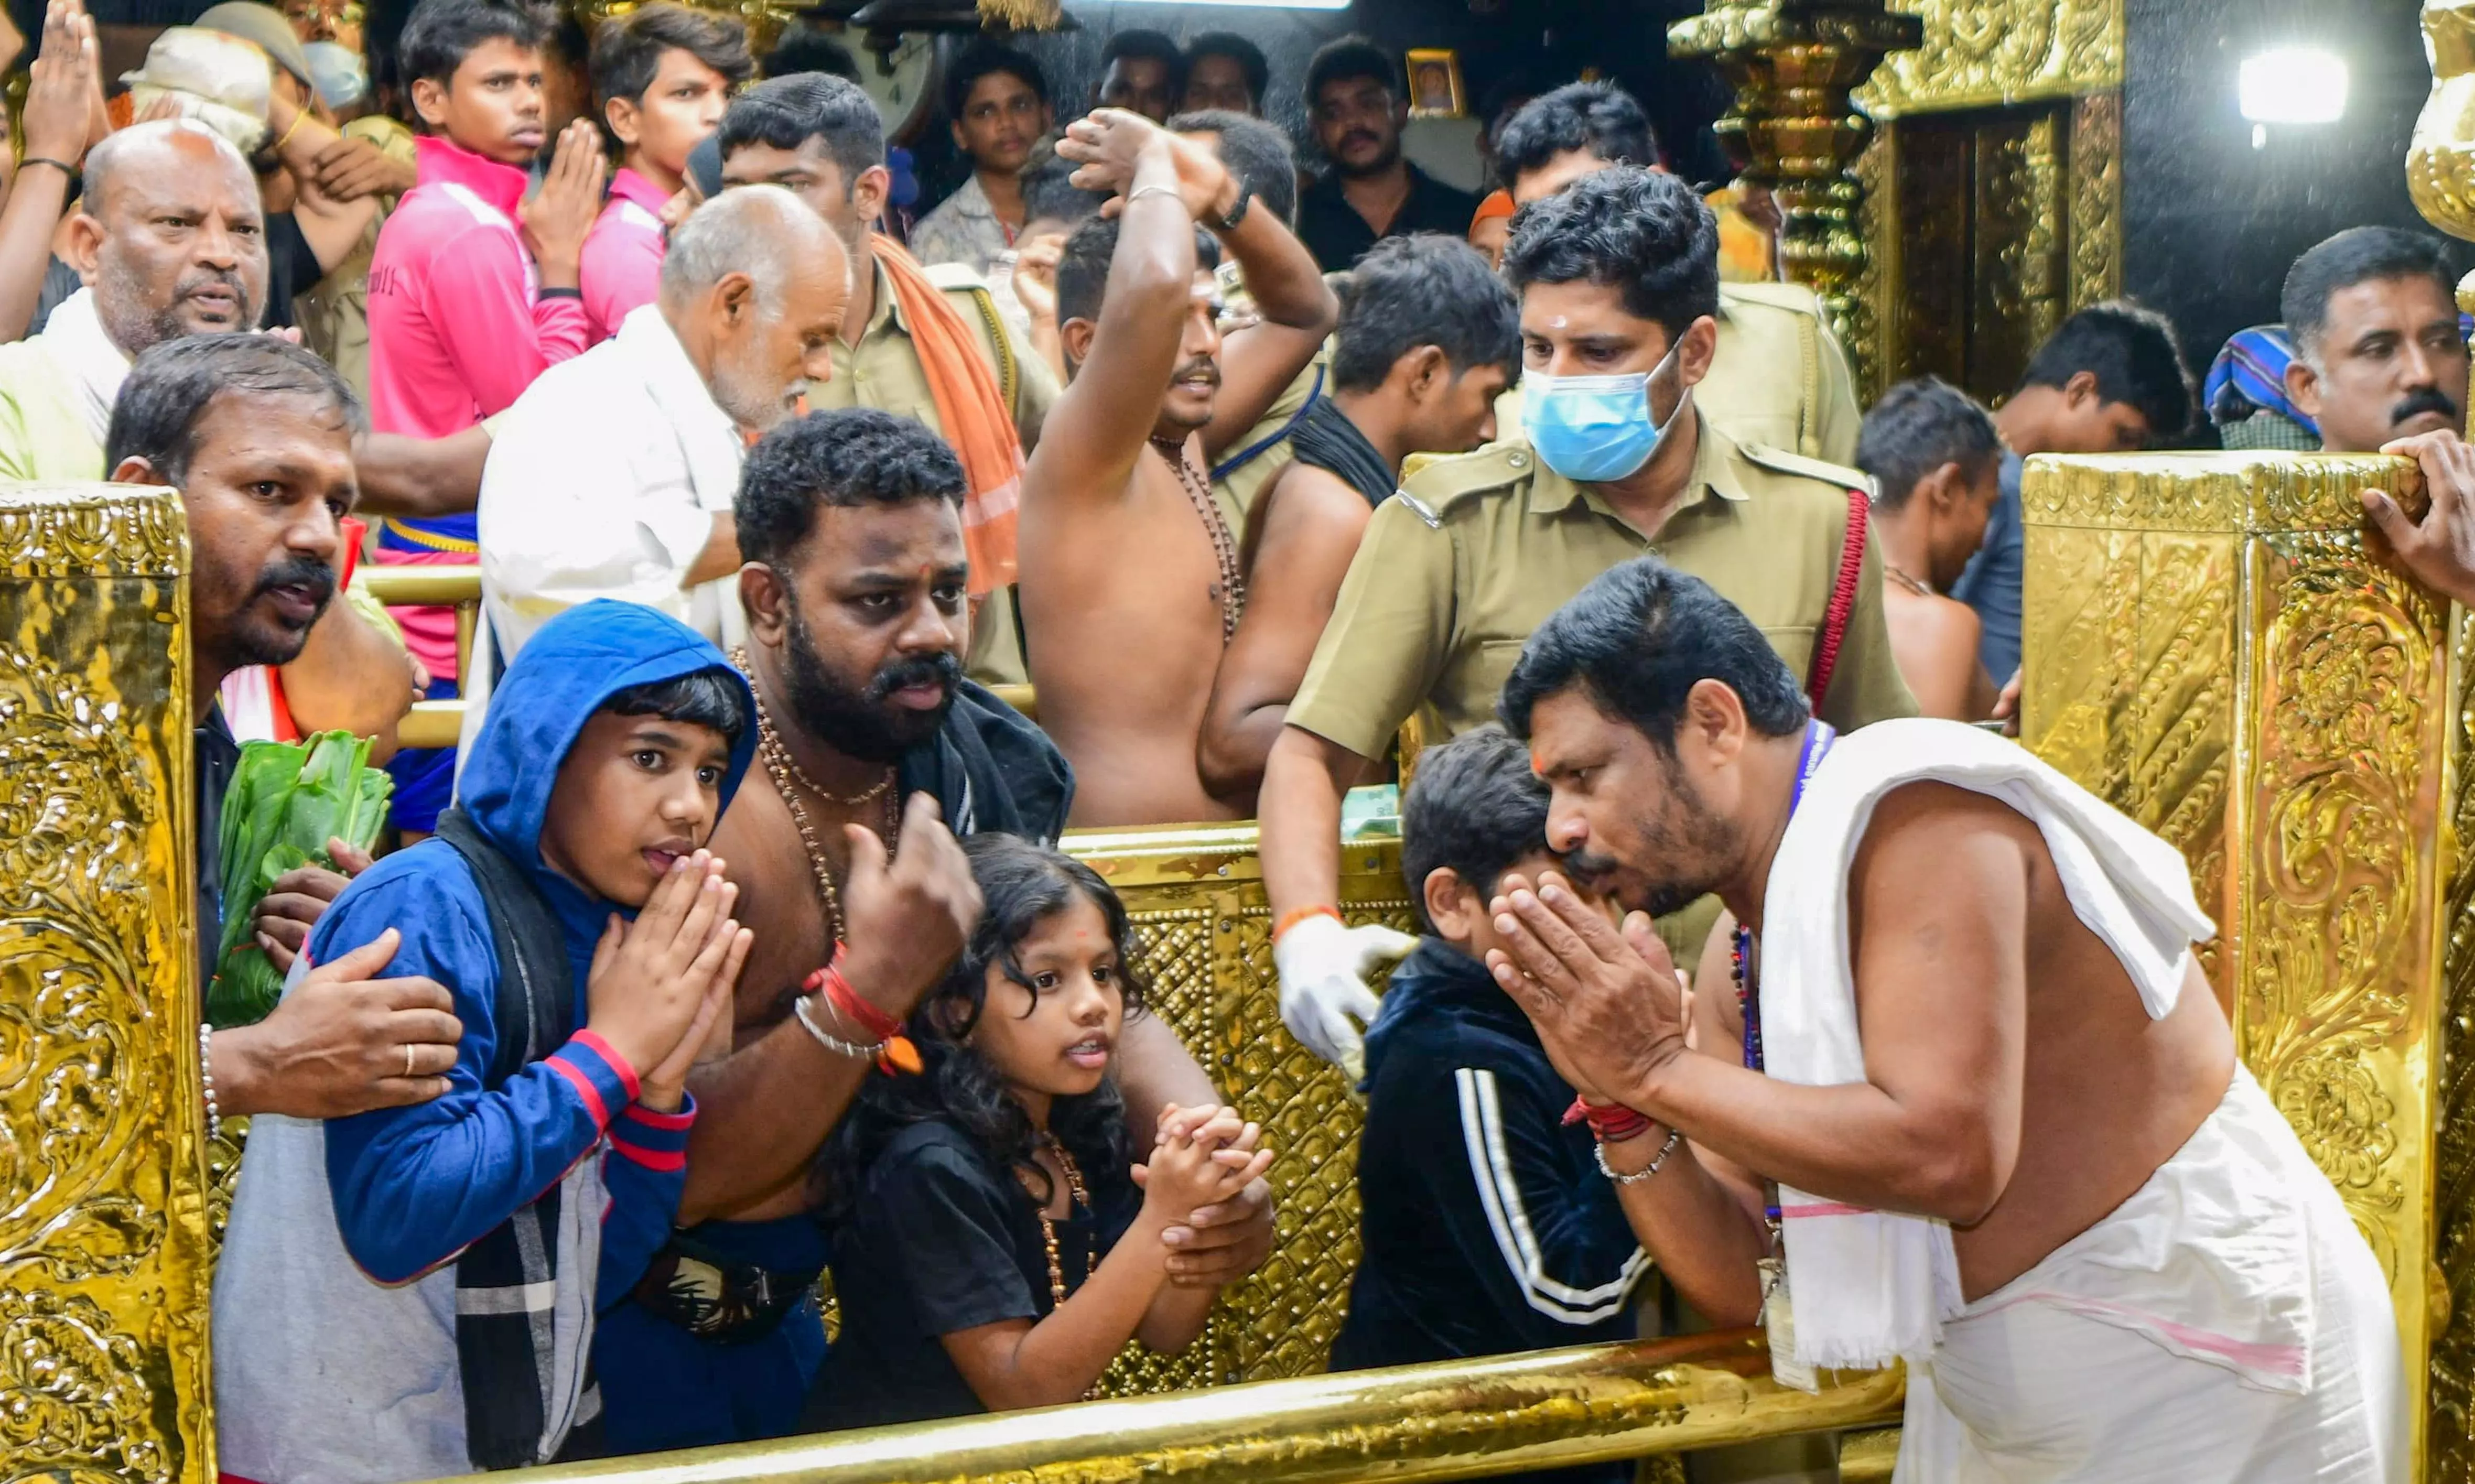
{"x":2225,"y":1323}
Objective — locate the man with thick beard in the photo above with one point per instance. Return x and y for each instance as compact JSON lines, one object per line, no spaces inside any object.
{"x":753,"y":291}
{"x":870,"y":741}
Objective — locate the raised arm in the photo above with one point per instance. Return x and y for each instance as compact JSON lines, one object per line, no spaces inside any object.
{"x":331,"y":218}
{"x":54,"y":127}
{"x":1107,"y":413}
{"x":1298,"y":311}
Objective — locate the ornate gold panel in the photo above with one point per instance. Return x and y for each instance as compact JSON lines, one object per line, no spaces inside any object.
{"x":2096,"y":198}
{"x":103,"y":1256}
{"x":2209,"y":647}
{"x":1979,"y":53}
{"x":1196,"y":898}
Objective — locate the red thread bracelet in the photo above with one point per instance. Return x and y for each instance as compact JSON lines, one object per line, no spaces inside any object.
{"x":1613,"y":1123}
{"x":846,"y":1001}
{"x":1297,"y":914}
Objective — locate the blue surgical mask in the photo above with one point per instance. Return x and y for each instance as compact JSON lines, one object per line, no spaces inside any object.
{"x":1596,"y":429}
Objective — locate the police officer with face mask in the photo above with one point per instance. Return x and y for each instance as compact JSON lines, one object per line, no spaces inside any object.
{"x":1619,"y":285}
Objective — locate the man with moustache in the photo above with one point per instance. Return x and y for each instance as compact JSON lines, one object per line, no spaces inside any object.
{"x":170,"y":241}
{"x":871,"y":744}
{"x":2378,"y":357}
{"x":1133,"y":581}
{"x":257,"y":437}
{"x":752,"y":294}
{"x":1356,"y":104}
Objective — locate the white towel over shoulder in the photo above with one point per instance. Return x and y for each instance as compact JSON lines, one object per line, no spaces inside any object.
{"x":1870,"y":1285}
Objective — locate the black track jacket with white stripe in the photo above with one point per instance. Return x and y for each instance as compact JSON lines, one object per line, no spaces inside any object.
{"x":1488,"y":1227}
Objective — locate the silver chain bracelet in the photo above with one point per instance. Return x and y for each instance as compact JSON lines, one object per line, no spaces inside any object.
{"x":1675,"y":1137}
{"x":833,"y":1043}
{"x":206,"y":1075}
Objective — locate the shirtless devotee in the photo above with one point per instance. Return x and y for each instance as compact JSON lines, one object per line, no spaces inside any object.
{"x":1132,"y":582}
{"x":874,"y":754}
{"x":1619,"y":282}
{"x":1937,"y":466}
{"x":1978,"y":1068}
{"x":1427,"y":336}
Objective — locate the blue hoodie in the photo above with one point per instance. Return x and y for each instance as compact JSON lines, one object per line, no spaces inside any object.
{"x":414,"y":1186}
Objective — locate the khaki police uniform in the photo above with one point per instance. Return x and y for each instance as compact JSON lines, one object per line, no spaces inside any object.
{"x":1475,"y":551}
{"x":882,"y":370}
{"x":1778,"y":377}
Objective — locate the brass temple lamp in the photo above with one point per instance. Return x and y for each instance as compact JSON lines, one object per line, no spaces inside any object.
{"x":1793,"y":126}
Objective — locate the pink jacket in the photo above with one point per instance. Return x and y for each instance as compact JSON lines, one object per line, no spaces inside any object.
{"x":458,"y":326}
{"x":623,"y":255}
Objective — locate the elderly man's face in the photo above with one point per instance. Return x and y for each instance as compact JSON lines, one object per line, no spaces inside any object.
{"x":2389,"y":363}
{"x":766,"y":355}
{"x":177,"y":245}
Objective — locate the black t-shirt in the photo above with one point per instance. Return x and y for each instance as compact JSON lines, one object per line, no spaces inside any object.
{"x":1338,"y":236}
{"x":291,"y":267}
{"x":946,"y":1239}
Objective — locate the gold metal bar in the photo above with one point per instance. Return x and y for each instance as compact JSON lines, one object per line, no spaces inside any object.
{"x":1455,"y":1421}
{"x":399,"y":587}
{"x":431,"y":724}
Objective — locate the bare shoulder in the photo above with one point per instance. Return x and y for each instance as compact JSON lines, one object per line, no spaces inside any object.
{"x":1946,"y":625}
{"x":1304,"y":498}
{"x":1941,"y":829}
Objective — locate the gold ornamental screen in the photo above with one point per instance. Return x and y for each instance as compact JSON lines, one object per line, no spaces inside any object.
{"x":2210,"y":647}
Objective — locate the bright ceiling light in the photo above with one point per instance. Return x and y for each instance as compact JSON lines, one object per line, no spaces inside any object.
{"x":2293,"y":84}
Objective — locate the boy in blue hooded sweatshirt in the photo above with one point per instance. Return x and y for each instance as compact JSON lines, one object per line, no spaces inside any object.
{"x":410,"y":1293}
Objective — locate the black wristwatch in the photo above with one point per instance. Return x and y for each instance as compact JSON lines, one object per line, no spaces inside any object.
{"x":1236,"y":213}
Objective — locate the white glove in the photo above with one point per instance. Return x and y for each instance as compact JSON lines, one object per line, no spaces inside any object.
{"x":1323,"y":965}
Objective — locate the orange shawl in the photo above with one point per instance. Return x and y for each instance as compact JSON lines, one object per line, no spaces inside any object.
{"x":972,"y":411}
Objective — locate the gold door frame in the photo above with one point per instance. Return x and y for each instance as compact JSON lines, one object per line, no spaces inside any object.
{"x":1986,"y":54}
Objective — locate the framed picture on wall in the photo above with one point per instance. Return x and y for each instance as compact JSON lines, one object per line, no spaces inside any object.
{"x":1435,"y":84}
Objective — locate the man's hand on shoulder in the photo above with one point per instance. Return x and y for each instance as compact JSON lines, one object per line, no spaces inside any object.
{"x":2439,"y":550}
{"x":299,"y":898}
{"x":341,"y":1042}
{"x":906,"y":918}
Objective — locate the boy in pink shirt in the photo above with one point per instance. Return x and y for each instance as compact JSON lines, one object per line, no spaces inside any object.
{"x":663,"y":74}
{"x":462,"y":316}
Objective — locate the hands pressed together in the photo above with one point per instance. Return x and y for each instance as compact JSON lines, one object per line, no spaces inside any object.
{"x":1609,"y":1005}
{"x":658,"y":984}
{"x":1203,"y":1180}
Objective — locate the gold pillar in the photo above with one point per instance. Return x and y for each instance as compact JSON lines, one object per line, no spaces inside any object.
{"x":103,"y":1246}
{"x":1794,"y":128}
{"x":2209,"y":647}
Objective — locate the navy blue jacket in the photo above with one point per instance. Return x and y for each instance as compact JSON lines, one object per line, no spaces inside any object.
{"x":413,"y":1186}
{"x":1488,"y":1227}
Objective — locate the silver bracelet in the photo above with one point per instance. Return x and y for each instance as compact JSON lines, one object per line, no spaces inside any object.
{"x":1675,"y":1137}
{"x":1141,"y":191}
{"x":835,"y":1044}
{"x":206,"y":1075}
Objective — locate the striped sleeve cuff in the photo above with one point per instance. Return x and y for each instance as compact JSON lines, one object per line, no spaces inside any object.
{"x":657,"y":1141}
{"x":599,"y":1074}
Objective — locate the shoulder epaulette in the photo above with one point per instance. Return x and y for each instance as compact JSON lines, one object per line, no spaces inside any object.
{"x":1795,"y":298}
{"x":1837,"y":475}
{"x":1436,"y":487}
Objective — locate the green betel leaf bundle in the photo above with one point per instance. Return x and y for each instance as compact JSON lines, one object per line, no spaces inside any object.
{"x":286,"y":800}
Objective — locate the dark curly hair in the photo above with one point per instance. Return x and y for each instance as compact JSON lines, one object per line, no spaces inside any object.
{"x":1422,"y":290}
{"x":986,"y":58}
{"x":628,"y":51}
{"x":1643,"y":232}
{"x":848,"y":456}
{"x":1021,"y":886}
{"x":1600,"y":117}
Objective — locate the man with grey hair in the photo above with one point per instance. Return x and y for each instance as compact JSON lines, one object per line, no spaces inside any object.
{"x":170,"y":241}
{"x":613,"y":476}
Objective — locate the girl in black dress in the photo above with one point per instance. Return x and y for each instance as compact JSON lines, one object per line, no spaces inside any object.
{"x":992,"y":1246}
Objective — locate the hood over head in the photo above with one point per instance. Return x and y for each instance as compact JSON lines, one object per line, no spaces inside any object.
{"x":563,"y":675}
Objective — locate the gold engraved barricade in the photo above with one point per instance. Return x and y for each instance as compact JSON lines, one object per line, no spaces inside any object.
{"x":2210,"y":647}
{"x":102,"y":1243}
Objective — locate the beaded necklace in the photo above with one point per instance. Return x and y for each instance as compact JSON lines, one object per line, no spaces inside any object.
{"x":1231,"y":589}
{"x":790,"y":780}
{"x":1076,"y":1201}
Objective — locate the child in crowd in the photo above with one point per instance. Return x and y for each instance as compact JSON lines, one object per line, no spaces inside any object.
{"x":1508,"y":1236}
{"x":991,"y":1247}
{"x":662,"y":74}
{"x":410,"y":1293}
{"x":1937,"y":467}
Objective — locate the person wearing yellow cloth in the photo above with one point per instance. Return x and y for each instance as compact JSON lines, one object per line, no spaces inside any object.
{"x":921,"y":342}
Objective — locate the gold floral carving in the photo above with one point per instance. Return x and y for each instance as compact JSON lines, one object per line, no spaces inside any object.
{"x":103,"y":1263}
{"x":2096,"y":198}
{"x":2450,"y":1454}
{"x":1979,"y":53}
{"x":2209,"y":647}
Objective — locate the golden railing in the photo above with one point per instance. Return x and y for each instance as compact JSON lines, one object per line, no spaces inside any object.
{"x":1415,"y":1423}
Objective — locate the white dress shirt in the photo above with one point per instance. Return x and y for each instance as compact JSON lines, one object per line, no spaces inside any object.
{"x":603,"y":481}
